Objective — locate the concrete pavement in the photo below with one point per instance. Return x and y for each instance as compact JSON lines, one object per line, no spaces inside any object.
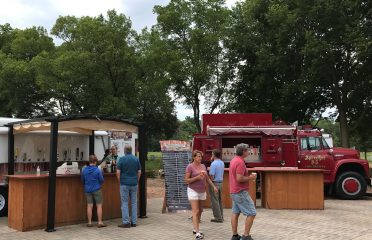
{"x":340,"y":220}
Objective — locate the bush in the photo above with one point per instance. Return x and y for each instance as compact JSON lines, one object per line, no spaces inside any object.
{"x":154,"y":163}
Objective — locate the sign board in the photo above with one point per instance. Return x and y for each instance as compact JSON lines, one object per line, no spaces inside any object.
{"x":175,"y":164}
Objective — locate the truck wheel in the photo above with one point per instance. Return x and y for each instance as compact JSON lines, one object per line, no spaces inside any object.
{"x":350,"y":186}
{"x":3,"y":202}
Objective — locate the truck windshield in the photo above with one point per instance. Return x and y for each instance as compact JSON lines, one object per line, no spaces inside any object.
{"x":325,"y":144}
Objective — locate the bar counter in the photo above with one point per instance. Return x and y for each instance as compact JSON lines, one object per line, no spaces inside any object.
{"x":226,"y":199}
{"x":282,"y":188}
{"x":28,"y":200}
{"x":291,"y":188}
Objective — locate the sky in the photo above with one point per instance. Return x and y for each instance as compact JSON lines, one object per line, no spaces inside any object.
{"x":27,"y":13}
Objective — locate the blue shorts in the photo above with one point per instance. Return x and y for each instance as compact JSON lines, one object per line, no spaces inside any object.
{"x":243,"y":203}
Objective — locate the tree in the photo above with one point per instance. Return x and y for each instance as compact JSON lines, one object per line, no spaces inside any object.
{"x":266,"y":41}
{"x":193,"y":31}
{"x":19,"y":93}
{"x":93,"y":70}
{"x":338,"y":57}
{"x":185,"y":130}
{"x":155,"y":107}
{"x":296,"y":58}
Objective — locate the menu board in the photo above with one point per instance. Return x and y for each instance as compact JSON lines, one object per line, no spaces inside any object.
{"x":175,"y":164}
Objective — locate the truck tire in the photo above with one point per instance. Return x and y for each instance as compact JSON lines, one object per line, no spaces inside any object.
{"x":3,"y":202}
{"x":350,"y":186}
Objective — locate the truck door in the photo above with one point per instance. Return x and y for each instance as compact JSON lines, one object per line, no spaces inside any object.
{"x":314,"y":155}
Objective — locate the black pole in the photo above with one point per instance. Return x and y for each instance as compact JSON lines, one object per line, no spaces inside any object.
{"x":91,"y":144}
{"x":10,"y":151}
{"x":142,"y":142}
{"x":52,"y":176}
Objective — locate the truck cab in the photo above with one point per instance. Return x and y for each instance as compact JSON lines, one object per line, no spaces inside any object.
{"x":275,"y":144}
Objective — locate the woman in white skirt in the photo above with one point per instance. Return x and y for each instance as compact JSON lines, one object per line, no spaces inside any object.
{"x":196,"y":177}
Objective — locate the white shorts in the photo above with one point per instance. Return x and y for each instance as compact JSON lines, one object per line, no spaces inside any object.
{"x":193,"y":195}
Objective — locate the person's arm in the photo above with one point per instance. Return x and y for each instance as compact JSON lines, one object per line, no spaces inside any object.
{"x":241,"y":178}
{"x":118,"y":174}
{"x":189,"y":179}
{"x":118,"y":168}
{"x":211,"y":184}
{"x":139,"y":174}
{"x":212,"y":171}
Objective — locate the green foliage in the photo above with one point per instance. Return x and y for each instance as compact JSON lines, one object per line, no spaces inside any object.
{"x":19,"y":93}
{"x":194,"y":32}
{"x":330,"y":127}
{"x":296,"y":58}
{"x":154,"y":161}
{"x":185,"y":130}
{"x":291,"y":58}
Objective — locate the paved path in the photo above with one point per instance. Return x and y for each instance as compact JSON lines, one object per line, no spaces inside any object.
{"x":339,"y":220}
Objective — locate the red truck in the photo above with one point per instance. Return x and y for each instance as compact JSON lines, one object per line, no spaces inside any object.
{"x":275,"y":144}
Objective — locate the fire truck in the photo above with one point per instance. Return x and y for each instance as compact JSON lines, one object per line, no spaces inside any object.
{"x":276,"y":144}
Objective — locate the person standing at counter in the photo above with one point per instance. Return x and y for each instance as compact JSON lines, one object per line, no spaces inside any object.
{"x":241,"y":200}
{"x":111,"y":158}
{"x":128,"y":173}
{"x":216,"y":174}
{"x":92,"y":179}
{"x":196,"y":177}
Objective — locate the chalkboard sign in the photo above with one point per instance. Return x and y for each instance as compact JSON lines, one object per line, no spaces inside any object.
{"x":175,"y":164}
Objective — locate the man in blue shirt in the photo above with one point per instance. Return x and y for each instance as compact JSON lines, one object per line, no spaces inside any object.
{"x":216,"y":174}
{"x":128,"y":172}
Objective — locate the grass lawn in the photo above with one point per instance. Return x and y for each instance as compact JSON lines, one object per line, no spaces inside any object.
{"x":367,"y":156}
{"x":154,"y":161}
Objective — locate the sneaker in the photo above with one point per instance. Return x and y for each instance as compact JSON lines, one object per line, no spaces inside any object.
{"x":235,"y":237}
{"x":243,"y":237}
{"x":194,"y":232}
{"x":216,"y":220}
{"x":199,"y":236}
{"x":127,"y":225}
{"x":133,"y":225}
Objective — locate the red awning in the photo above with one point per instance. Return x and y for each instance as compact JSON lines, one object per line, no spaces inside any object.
{"x":279,"y":131}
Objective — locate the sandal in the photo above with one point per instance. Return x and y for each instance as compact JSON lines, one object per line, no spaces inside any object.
{"x":101,"y":225}
{"x":89,"y":225}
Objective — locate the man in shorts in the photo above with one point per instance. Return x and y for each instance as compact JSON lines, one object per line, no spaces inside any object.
{"x":241,"y":201}
{"x":92,"y":179}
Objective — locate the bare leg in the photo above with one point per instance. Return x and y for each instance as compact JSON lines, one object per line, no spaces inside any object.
{"x":89,"y":213}
{"x":99,"y":213}
{"x":234,"y":223}
{"x":248,"y":225}
{"x":200,"y":210}
{"x":195,"y":214}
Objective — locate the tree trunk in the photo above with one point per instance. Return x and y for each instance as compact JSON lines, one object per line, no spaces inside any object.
{"x":344,"y":129}
{"x":196,"y":117}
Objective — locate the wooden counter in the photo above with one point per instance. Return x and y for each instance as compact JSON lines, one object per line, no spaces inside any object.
{"x":290,"y":188}
{"x":226,"y":199}
{"x":28,"y":197}
{"x":282,"y":188}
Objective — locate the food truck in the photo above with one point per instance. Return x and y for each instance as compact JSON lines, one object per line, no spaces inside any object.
{"x":276,"y":144}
